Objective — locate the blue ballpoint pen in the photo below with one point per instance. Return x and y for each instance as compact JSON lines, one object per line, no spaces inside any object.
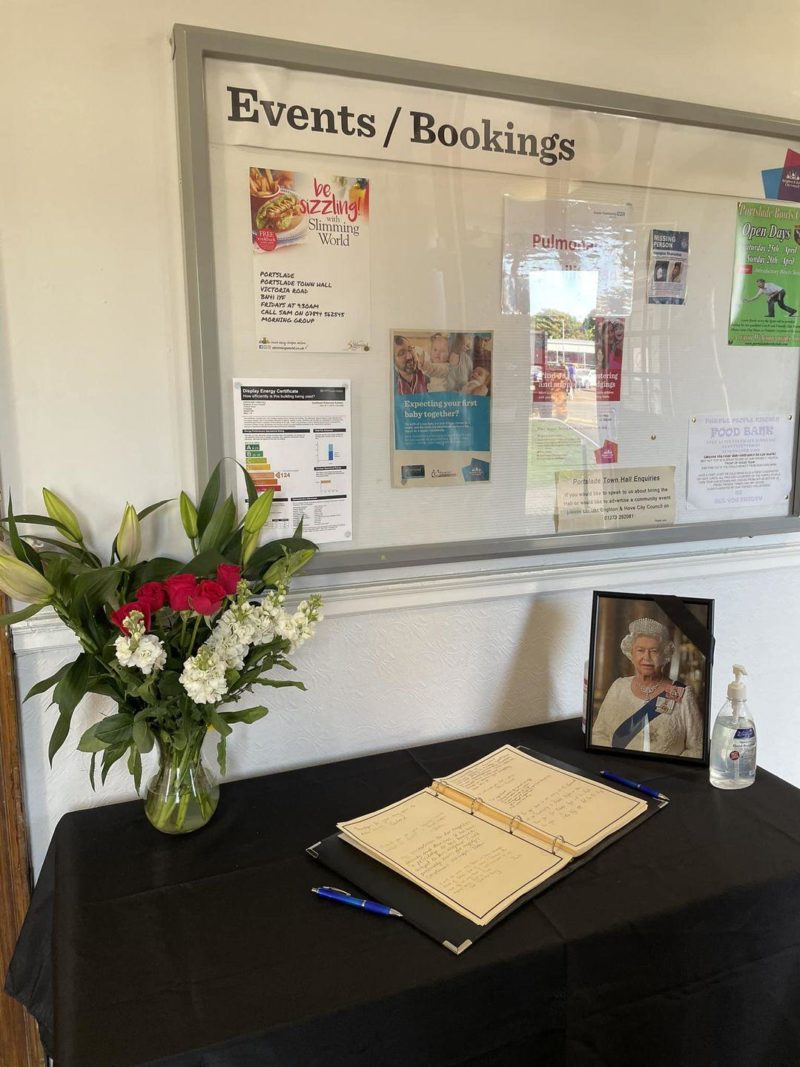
{"x":330,"y":893}
{"x":634,"y":785}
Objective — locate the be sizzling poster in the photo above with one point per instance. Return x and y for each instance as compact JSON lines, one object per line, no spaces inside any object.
{"x":310,"y":239}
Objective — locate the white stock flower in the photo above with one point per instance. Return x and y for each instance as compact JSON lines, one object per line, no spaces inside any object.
{"x":143,"y":651}
{"x":203,"y":677}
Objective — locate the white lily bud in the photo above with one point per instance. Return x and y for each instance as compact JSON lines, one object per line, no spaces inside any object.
{"x":22,"y":582}
{"x":129,"y":538}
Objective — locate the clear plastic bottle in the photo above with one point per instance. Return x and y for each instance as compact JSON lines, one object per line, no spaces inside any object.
{"x":733,"y":740}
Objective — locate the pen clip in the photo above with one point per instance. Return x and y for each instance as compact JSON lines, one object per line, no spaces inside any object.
{"x":335,"y":889}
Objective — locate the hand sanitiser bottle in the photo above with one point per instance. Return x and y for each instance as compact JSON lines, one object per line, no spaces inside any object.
{"x":733,"y":740}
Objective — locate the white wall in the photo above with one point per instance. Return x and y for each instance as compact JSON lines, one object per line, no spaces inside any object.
{"x":94,"y":370}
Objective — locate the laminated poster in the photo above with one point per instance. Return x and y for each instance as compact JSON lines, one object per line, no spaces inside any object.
{"x":293,"y":438}
{"x":442,"y":400}
{"x":668,"y":267}
{"x":310,"y":239}
{"x":765,"y":296}
{"x":561,"y":255}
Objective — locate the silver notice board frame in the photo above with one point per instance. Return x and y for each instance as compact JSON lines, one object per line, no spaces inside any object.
{"x":193,"y":46}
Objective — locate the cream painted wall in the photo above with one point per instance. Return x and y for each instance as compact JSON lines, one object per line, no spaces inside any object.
{"x":94,"y":369}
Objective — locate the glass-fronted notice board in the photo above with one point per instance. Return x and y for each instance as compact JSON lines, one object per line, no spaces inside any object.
{"x":444,"y":314}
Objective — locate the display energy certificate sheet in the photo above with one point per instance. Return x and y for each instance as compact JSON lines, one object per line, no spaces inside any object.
{"x":293,"y":437}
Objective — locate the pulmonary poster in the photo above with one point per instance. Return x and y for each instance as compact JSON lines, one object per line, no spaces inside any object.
{"x":310,"y":239}
{"x":765,"y":296}
{"x":668,"y":269}
{"x":560,"y":255}
{"x":442,"y":398}
{"x":293,"y":439}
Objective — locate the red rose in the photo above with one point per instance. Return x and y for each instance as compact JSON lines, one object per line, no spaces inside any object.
{"x":119,"y":616}
{"x":207,"y":598}
{"x":228,"y":575}
{"x":179,"y":588}
{"x":152,"y":594}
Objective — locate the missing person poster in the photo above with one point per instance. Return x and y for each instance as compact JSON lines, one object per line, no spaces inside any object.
{"x":668,"y":267}
{"x":310,"y":239}
{"x":293,"y":439}
{"x":765,"y":296}
{"x":442,"y":397}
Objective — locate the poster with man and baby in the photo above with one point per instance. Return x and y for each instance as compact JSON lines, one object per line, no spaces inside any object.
{"x":442,"y":388}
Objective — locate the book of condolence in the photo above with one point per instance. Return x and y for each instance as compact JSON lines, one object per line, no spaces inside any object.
{"x":483,"y":837}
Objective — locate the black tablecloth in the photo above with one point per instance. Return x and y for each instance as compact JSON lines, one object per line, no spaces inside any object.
{"x":679,"y":945}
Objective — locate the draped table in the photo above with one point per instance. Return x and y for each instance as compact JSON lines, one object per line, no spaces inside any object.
{"x":678,"y":945}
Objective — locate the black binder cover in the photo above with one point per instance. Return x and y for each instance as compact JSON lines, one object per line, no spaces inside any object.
{"x":429,"y":915}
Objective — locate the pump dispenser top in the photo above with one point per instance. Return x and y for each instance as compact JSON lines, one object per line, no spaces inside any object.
{"x":737,"y":690}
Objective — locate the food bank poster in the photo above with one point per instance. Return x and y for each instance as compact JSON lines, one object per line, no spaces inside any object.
{"x":442,"y":398}
{"x":310,"y":240}
{"x":765,"y":296}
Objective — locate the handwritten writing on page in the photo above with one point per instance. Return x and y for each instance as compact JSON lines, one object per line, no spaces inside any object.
{"x":470,"y":865}
{"x":551,"y":799}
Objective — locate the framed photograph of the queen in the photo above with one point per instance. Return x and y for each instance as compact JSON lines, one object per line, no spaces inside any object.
{"x":649,"y":683}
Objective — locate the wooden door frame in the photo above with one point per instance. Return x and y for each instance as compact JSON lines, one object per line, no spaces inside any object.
{"x":19,"y":1039}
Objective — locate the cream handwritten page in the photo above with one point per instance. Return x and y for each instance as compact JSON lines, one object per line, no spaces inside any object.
{"x":558,"y":802}
{"x":467,"y":863}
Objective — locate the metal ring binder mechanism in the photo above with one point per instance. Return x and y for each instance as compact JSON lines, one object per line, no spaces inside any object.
{"x":514,"y":819}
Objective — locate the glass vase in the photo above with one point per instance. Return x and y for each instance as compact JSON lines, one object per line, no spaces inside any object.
{"x":183,"y":794}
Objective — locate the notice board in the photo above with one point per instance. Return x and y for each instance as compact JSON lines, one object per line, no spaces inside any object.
{"x":565,"y":317}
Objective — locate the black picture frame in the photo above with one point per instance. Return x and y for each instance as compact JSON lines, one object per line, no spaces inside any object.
{"x":671,"y":640}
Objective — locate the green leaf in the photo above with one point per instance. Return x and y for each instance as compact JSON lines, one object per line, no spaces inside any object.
{"x":206,"y":563}
{"x":213,"y":718}
{"x":252,"y":492}
{"x":152,"y":507}
{"x":21,"y":550}
{"x":169,"y":684}
{"x":282,"y":569}
{"x":248,"y":715}
{"x":143,"y":736}
{"x":47,"y":683}
{"x":220,"y":526}
{"x":110,"y":757}
{"x":91,"y":770}
{"x":90,"y":742}
{"x":209,"y":500}
{"x":299,"y":530}
{"x":155,"y":570}
{"x":69,"y":691}
{"x":222,"y":754}
{"x":59,"y":735}
{"x":282,"y":683}
{"x":70,"y":550}
{"x":135,"y":766}
{"x":105,"y":688}
{"x":275,"y":550}
{"x":37,"y":520}
{"x":21,"y":615}
{"x":115,"y":729}
{"x":98,"y":586}
{"x":232,"y":549}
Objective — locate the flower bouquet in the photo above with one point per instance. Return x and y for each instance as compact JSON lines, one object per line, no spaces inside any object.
{"x":171,"y":643}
